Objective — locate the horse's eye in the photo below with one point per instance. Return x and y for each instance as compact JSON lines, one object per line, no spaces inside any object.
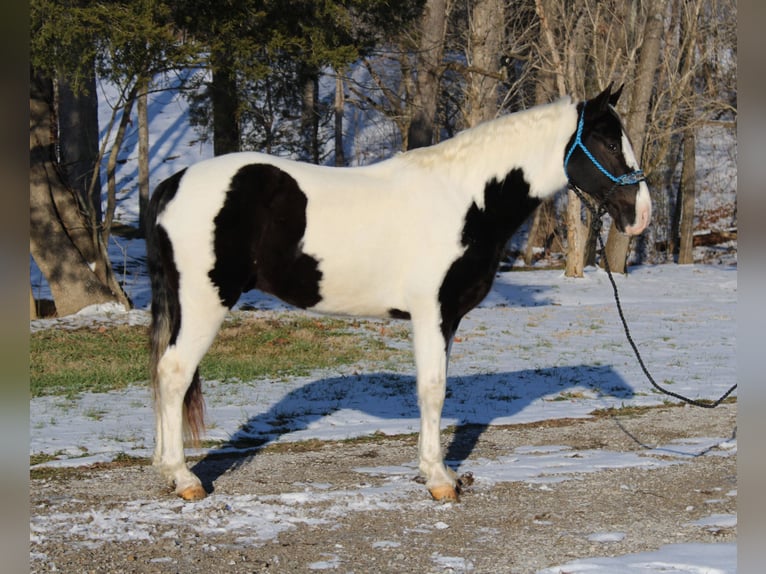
{"x":613,"y":147}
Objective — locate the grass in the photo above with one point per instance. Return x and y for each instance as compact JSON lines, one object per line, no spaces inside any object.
{"x":69,"y":362}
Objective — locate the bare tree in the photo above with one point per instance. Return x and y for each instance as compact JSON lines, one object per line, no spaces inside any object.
{"x":686,"y":191}
{"x":429,"y":68}
{"x":551,"y":16}
{"x":617,"y":244}
{"x":142,"y":110}
{"x":339,"y":105}
{"x":59,"y":234}
{"x":485,"y":44}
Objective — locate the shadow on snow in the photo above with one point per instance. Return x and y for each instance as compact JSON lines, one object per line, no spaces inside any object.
{"x":473,"y":403}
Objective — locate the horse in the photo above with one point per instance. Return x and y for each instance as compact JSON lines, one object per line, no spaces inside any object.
{"x":418,"y":236}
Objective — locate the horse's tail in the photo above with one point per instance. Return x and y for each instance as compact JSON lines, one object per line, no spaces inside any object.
{"x":166,"y":307}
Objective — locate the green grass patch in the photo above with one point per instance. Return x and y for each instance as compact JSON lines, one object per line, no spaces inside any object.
{"x":68,"y":362}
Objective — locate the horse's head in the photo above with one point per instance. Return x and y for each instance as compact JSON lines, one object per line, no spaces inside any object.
{"x":599,"y":160}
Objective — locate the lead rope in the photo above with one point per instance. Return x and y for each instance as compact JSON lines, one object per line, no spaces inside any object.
{"x":596,"y":227}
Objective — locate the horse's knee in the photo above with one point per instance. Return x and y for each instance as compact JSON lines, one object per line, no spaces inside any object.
{"x":172,"y":372}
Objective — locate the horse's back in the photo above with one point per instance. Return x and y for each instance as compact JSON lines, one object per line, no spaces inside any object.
{"x":361,"y":241}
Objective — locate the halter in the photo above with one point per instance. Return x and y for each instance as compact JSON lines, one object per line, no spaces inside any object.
{"x":630,"y":178}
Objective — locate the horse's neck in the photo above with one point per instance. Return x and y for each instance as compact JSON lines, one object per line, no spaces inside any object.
{"x":533,"y":141}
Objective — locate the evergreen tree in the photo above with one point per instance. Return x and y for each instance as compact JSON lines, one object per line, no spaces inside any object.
{"x":266,"y":58}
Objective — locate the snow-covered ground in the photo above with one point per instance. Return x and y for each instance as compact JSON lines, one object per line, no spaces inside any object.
{"x":540,"y":347}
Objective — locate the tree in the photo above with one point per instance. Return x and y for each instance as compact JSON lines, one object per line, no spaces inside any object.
{"x":77,"y":113}
{"x":433,"y":29}
{"x":699,"y":94}
{"x":686,"y":190}
{"x":617,"y":244}
{"x":576,"y":232}
{"x":128,"y":42}
{"x":58,"y":239}
{"x":267,"y":58}
{"x":485,"y":45}
{"x":142,"y":110}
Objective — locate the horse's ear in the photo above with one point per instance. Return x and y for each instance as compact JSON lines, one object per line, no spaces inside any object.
{"x":601,"y":101}
{"x":614,"y":96}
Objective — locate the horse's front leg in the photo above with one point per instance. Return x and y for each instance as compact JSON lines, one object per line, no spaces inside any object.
{"x":431,"y":365}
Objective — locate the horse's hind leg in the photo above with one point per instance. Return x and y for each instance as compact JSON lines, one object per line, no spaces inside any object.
{"x":175,"y":372}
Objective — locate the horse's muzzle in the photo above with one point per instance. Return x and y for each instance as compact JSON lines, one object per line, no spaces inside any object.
{"x":643,"y":211}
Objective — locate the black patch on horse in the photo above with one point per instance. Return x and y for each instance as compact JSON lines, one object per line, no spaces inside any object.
{"x":258,"y":238}
{"x":507,"y":205}
{"x":160,"y":260}
{"x":398,"y":314}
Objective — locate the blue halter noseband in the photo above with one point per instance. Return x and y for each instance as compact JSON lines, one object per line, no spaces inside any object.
{"x":631,"y":178}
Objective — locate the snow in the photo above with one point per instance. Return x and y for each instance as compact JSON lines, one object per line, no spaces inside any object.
{"x":541,"y":346}
{"x":670,"y":559}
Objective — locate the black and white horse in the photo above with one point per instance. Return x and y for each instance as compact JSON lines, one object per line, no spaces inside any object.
{"x":418,"y":236}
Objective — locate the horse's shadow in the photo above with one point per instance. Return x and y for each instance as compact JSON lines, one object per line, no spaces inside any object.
{"x":473,"y":401}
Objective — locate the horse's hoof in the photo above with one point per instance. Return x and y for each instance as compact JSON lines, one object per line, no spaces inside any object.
{"x":193,"y":493}
{"x":444,"y":493}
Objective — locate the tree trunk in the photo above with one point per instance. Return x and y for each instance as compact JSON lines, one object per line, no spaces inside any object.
{"x":78,"y":140}
{"x":72,"y":282}
{"x":544,"y":222}
{"x":685,"y":204}
{"x":485,"y":42}
{"x":542,"y":233}
{"x":591,"y":241}
{"x":310,"y":118}
{"x":143,"y":155}
{"x":618,"y":244}
{"x":340,"y":101}
{"x":575,"y":237}
{"x":32,"y":304}
{"x":688,"y":177}
{"x":576,"y":232}
{"x":433,"y":31}
{"x":225,"y":96}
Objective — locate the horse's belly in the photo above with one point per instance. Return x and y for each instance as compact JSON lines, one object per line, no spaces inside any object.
{"x":362,"y":291}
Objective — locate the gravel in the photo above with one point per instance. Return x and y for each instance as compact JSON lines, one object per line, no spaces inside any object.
{"x":319,"y":506}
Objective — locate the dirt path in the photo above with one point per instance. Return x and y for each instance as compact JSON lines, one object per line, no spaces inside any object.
{"x":354,"y":506}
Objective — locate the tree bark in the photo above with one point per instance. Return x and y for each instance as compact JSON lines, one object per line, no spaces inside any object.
{"x":72,"y":282}
{"x":618,"y":244}
{"x":687,"y":192}
{"x":340,"y":102}
{"x":143,"y":155}
{"x":310,"y":118}
{"x":542,"y":233}
{"x":225,"y":96}
{"x":485,"y":43}
{"x":78,"y":140}
{"x":32,"y":304}
{"x":685,"y":205}
{"x":575,"y":237}
{"x":426,"y":97}
{"x":544,"y":222}
{"x":576,"y":231}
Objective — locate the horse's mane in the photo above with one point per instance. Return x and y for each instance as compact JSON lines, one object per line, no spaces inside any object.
{"x":506,"y":132}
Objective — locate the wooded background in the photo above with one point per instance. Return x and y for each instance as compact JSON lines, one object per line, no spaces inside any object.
{"x":256,"y":74}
